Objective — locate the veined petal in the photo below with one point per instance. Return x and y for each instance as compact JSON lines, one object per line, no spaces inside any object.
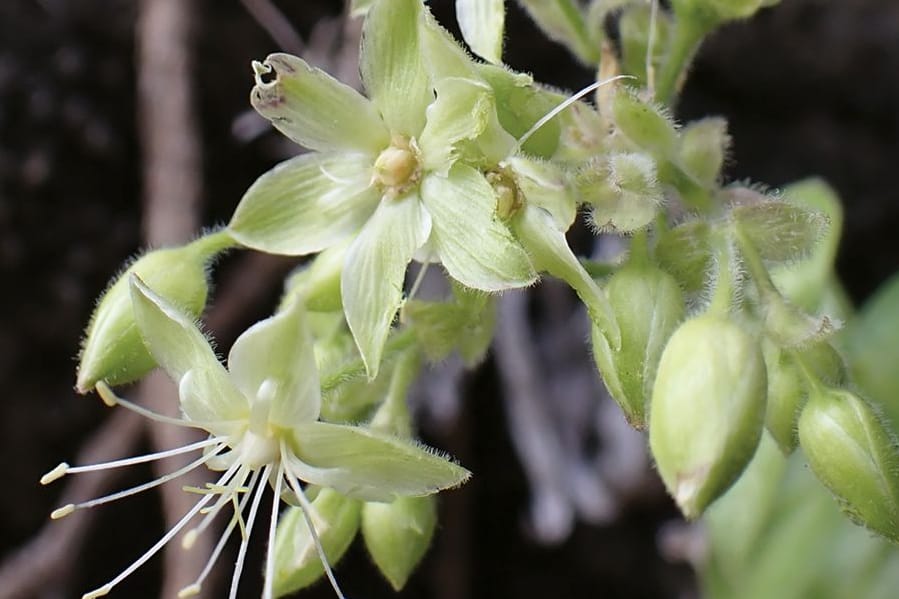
{"x":443,"y":55}
{"x":393,"y":70}
{"x":482,"y":23}
{"x":184,"y":353}
{"x":372,"y":280}
{"x":364,"y":464}
{"x":474,"y":246}
{"x":464,"y":110}
{"x":274,"y":361}
{"x":314,"y":109}
{"x":306,"y":204}
{"x":550,"y":252}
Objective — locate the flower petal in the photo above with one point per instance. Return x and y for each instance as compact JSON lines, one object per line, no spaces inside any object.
{"x":393,"y":70}
{"x":314,"y":109}
{"x":482,"y":23}
{"x":550,"y":252}
{"x":474,"y":246}
{"x":372,"y":279}
{"x":363,"y":464}
{"x":185,"y":354}
{"x":274,"y":360}
{"x":305,"y":204}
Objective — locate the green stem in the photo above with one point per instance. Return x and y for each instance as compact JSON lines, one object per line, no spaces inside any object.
{"x":393,"y":415}
{"x":725,"y":285}
{"x":583,"y":45}
{"x":688,"y":36}
{"x":639,"y":251}
{"x":760,"y":275}
{"x":212,"y":243}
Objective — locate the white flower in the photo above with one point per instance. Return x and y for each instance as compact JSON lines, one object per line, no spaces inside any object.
{"x":262,"y":417}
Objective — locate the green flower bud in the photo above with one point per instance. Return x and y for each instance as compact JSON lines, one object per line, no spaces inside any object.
{"x":647,"y":126}
{"x":855,"y":456}
{"x":297,"y":563}
{"x":624,"y":192}
{"x":703,"y":148}
{"x":708,"y":409}
{"x":398,"y":534}
{"x":787,"y":389}
{"x":113,"y":351}
{"x":648,"y":306}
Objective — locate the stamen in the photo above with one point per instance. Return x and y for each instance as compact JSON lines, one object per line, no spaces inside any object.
{"x":111,"y":399}
{"x":307,"y":510}
{"x":267,"y":592}
{"x":242,"y":552}
{"x":194,"y":589}
{"x":565,"y":104}
{"x":150,"y":552}
{"x":64,"y":511}
{"x":55,"y":474}
{"x":232,"y":487}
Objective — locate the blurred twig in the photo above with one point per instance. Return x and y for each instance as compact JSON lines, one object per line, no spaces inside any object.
{"x":276,"y":25}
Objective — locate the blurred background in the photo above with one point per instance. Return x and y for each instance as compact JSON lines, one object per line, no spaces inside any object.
{"x":563,"y":503}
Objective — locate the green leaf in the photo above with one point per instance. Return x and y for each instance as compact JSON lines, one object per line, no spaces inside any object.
{"x":464,"y":111}
{"x":550,"y":253}
{"x":177,"y":345}
{"x":306,"y":204}
{"x":363,"y":464}
{"x":375,"y":268}
{"x":474,"y":246}
{"x":273,"y":363}
{"x":297,"y":563}
{"x":482,"y":23}
{"x":314,"y":109}
{"x":392,"y":66}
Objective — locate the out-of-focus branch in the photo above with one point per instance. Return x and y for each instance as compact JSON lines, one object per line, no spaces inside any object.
{"x":276,"y":25}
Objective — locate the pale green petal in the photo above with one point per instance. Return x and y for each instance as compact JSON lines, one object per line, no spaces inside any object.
{"x":306,"y":204}
{"x":374,"y":272}
{"x":475,"y":247}
{"x":392,"y":66}
{"x":464,"y":110}
{"x":184,"y":353}
{"x":209,"y":396}
{"x":360,"y":463}
{"x":550,"y":253}
{"x":273,"y":361}
{"x":443,"y":55}
{"x":314,"y":109}
{"x":482,"y":23}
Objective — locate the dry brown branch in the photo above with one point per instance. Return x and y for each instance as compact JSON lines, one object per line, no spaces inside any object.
{"x":276,"y":25}
{"x":46,"y":561}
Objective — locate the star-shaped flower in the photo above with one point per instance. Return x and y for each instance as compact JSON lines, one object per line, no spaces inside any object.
{"x":399,"y":171}
{"x":262,"y":416}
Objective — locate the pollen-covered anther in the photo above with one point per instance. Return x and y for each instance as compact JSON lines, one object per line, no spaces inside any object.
{"x":55,"y":474}
{"x":509,"y":199}
{"x":397,"y":168}
{"x":62,"y":512}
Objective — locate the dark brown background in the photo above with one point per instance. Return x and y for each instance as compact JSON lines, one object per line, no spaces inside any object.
{"x":810,"y":88}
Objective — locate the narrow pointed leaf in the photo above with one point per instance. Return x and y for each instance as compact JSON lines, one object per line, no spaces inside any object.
{"x":393,"y":69}
{"x":476,"y":248}
{"x":482,"y":23}
{"x":274,"y":361}
{"x":550,"y":253}
{"x":314,"y":109}
{"x":360,"y":463}
{"x":306,"y":204}
{"x":375,"y":268}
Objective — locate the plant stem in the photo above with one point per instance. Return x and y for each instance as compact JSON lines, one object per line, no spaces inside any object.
{"x":688,"y":35}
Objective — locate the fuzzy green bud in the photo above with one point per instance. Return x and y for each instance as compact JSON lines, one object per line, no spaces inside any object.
{"x":788,"y":390}
{"x":646,"y":125}
{"x":398,"y":534}
{"x":113,"y":350}
{"x":703,"y":148}
{"x":297,"y":563}
{"x":623,"y":190}
{"x":851,"y":451}
{"x":648,"y":306}
{"x":707,"y":410}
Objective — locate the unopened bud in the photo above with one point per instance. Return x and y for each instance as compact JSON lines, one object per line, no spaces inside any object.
{"x":624,"y":192}
{"x":297,"y":562}
{"x":703,"y":148}
{"x":707,"y":409}
{"x":398,"y":534}
{"x":113,"y":350}
{"x":648,"y":305}
{"x":647,"y":126}
{"x":851,"y":451}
